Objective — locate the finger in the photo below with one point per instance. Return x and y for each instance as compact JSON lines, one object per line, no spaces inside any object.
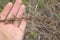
{"x":15,"y":8}
{"x":6,"y":10}
{"x":21,"y":11}
{"x":20,"y":14}
{"x":22,"y":26}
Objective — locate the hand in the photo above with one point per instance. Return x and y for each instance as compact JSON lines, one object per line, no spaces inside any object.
{"x":11,"y":31}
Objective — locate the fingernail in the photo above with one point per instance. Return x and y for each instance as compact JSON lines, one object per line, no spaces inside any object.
{"x":10,"y":4}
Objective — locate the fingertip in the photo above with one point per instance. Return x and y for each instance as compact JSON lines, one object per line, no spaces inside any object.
{"x":10,"y":3}
{"x":23,"y":6}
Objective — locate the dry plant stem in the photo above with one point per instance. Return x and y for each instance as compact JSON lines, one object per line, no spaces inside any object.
{"x":18,"y":19}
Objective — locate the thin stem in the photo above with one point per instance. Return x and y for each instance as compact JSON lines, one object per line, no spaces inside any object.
{"x":18,"y":19}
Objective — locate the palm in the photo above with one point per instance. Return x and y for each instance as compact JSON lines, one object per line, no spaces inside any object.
{"x":12,"y":31}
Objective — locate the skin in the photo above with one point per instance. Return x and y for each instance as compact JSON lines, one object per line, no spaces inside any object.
{"x":12,"y":31}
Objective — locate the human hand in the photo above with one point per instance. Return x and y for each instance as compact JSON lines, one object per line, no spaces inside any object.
{"x":11,"y":31}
